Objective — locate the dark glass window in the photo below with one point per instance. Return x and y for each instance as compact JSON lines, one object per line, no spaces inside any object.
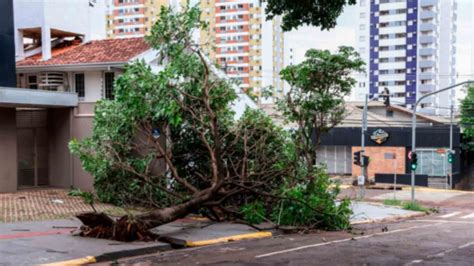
{"x":109,"y":85}
{"x":32,"y":82}
{"x":80,"y":85}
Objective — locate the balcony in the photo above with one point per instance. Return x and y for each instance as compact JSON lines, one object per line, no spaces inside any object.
{"x":424,"y":88}
{"x":427,"y":39}
{"x":426,"y":63}
{"x":426,"y":51}
{"x":424,"y":3}
{"x":426,"y":75}
{"x":428,"y":27}
{"x":427,"y":14}
{"x":16,"y":97}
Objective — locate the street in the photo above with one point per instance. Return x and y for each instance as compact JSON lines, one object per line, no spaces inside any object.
{"x":446,"y":238}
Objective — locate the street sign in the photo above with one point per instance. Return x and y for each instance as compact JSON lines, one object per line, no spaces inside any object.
{"x":361,"y":180}
{"x":441,"y":151}
{"x":390,"y":156}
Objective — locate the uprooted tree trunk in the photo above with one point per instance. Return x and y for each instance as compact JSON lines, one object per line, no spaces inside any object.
{"x":99,"y":225}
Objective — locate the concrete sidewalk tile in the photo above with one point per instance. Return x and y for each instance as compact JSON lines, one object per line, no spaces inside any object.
{"x":364,"y":212}
{"x":38,"y":243}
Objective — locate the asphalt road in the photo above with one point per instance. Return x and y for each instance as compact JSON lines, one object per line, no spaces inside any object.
{"x":446,"y":238}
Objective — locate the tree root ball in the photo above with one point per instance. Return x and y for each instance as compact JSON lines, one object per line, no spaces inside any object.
{"x":125,"y":229}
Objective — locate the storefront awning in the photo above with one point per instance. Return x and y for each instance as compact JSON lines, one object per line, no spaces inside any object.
{"x":17,"y":97}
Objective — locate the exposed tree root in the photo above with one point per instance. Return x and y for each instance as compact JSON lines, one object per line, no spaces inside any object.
{"x":99,"y":225}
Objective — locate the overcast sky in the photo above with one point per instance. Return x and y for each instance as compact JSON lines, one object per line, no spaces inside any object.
{"x":345,"y":33}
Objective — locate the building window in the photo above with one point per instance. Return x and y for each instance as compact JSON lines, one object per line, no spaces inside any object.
{"x":32,"y":82}
{"x":79,"y":85}
{"x":431,"y":163}
{"x":109,"y":85}
{"x":338,"y":159}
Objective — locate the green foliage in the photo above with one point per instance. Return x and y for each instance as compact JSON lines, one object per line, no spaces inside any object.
{"x":313,"y":204}
{"x":392,"y":202}
{"x":247,"y":167}
{"x":467,"y":119}
{"x":414,"y":206}
{"x":254,"y":212}
{"x":315,"y":101}
{"x":320,"y":13}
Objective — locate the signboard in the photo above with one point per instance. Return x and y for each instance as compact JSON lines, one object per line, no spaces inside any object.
{"x":379,"y":136}
{"x":441,"y":151}
{"x":361,"y":180}
{"x":390,"y":156}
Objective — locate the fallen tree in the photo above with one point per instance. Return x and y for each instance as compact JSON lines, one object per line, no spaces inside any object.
{"x":170,"y":141}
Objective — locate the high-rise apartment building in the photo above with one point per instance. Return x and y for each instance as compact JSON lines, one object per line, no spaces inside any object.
{"x":409,"y":47}
{"x":134,"y":18}
{"x":246,"y":46}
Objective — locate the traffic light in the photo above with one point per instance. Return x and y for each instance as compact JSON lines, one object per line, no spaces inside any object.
{"x":414,"y":161}
{"x":386,"y":96}
{"x":357,"y":158}
{"x":365,"y":161}
{"x":450,"y":157}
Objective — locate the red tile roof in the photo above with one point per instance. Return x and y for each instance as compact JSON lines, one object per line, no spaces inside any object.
{"x":103,"y":51}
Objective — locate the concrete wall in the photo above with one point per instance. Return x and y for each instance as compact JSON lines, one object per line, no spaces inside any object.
{"x":82,"y":128}
{"x":8,"y":150}
{"x":59,"y":155}
{"x":73,"y":16}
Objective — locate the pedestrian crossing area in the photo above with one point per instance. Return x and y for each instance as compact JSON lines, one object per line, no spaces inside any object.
{"x":459,"y":215}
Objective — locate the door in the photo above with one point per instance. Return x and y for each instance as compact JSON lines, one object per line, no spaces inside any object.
{"x":32,"y":144}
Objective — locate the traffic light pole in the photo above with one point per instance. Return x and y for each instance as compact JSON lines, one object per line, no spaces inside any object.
{"x":413,"y":126}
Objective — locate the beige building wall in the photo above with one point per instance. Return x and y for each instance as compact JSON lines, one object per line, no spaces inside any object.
{"x":59,"y":131}
{"x":135,"y":18}
{"x":8,"y":150}
{"x":239,"y":40}
{"x":83,"y":116}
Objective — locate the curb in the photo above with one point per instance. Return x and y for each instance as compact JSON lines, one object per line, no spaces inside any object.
{"x":439,"y":190}
{"x":80,"y":261}
{"x":111,"y":256}
{"x":228,"y":239}
{"x":390,"y":219}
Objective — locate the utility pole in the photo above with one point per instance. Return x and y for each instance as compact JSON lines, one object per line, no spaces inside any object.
{"x":362,"y":141}
{"x":413,"y":126}
{"x":451,"y":146}
{"x":364,"y":129}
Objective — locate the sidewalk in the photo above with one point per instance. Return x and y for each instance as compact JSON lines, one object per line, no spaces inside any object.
{"x":41,"y":204}
{"x":427,"y":196}
{"x":50,"y":240}
{"x":364,"y":212}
